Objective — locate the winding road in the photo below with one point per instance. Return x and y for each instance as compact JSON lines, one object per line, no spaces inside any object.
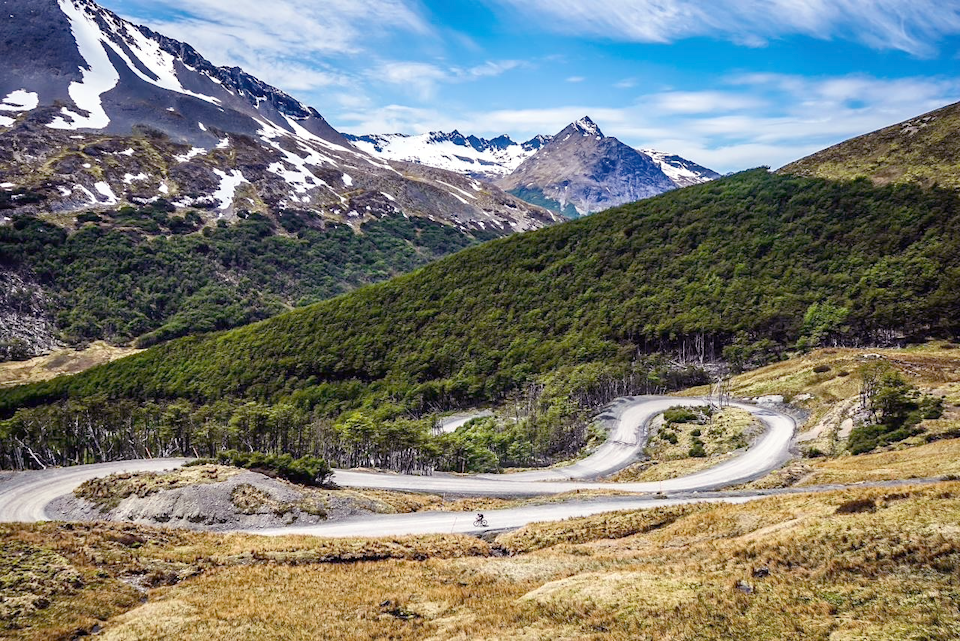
{"x":25,"y":495}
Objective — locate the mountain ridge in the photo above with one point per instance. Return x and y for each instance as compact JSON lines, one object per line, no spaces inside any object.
{"x":923,"y":150}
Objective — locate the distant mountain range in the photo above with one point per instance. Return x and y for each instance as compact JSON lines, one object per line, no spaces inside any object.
{"x":576,"y":172}
{"x":96,"y":112}
{"x":476,"y":157}
{"x":581,"y":171}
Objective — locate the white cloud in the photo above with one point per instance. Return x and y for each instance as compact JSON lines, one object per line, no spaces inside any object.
{"x":576,"y":79}
{"x":914,"y":26}
{"x":423,"y":78}
{"x":285,"y":42}
{"x":697,"y":102}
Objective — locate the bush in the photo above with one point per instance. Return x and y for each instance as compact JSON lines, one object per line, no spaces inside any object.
{"x":856,"y":506}
{"x":821,"y":369}
{"x":683,"y":415}
{"x":697,"y":450}
{"x":306,"y":470}
{"x":669,"y":437}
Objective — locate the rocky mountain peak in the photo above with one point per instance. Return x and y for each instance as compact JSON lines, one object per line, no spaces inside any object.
{"x":587,"y":127}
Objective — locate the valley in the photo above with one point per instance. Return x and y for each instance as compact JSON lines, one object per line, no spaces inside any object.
{"x":267,"y":373}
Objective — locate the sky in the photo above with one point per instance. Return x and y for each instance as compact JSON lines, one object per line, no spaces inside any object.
{"x":729,"y":84}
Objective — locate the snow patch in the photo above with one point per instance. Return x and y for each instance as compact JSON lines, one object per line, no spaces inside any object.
{"x":187,"y":157}
{"x":126,"y":152}
{"x":6,"y":121}
{"x":130,"y":178}
{"x":223,"y":144}
{"x":202,"y":126}
{"x":87,"y":192}
{"x":106,"y":192}
{"x":228,"y":185}
{"x":347,"y":180}
{"x":163,"y":189}
{"x":20,"y":100}
{"x":388,"y":197}
{"x":7,"y":185}
{"x":470,"y":196}
{"x":98,"y":79}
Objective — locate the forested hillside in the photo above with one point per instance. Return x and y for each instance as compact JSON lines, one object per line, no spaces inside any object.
{"x":146,"y":273}
{"x":740,"y":268}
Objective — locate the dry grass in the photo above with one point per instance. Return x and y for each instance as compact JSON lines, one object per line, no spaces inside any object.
{"x":723,"y":434}
{"x":64,"y":361}
{"x":794,"y":567}
{"x":58,"y":579}
{"x":107,"y":492}
{"x":831,"y":396}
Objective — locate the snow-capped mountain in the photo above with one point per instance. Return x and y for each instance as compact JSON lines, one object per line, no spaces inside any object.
{"x":96,"y":111}
{"x":680,"y":171}
{"x":581,"y":171}
{"x":498,"y":158}
{"x":469,"y":155}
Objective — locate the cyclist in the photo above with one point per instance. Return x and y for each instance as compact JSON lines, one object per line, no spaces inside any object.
{"x":480,"y":520}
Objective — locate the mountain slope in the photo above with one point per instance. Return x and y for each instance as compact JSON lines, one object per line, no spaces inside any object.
{"x":115,"y":139}
{"x":680,"y":171}
{"x":739,"y":262}
{"x":475,"y":157}
{"x":79,"y":82}
{"x":581,"y":171}
{"x":924,"y":150}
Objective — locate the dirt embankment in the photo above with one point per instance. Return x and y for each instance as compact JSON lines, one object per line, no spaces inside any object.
{"x":209,"y":497}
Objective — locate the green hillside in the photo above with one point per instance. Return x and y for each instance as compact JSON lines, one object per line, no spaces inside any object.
{"x":924,"y":150}
{"x":741,"y":267}
{"x":144,"y":273}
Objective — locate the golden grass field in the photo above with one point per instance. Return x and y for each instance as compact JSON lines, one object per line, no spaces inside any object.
{"x":853,"y":564}
{"x":63,"y":361}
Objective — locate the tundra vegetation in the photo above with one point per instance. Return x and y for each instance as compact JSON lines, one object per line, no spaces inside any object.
{"x":550,"y":322}
{"x":858,"y":563}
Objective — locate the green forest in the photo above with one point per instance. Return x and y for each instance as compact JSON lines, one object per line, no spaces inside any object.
{"x":741,"y":268}
{"x":147,"y":274}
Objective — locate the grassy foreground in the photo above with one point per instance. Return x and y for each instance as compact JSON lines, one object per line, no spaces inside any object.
{"x":856,"y":564}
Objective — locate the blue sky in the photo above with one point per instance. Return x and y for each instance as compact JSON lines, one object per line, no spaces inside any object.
{"x":730,"y":84}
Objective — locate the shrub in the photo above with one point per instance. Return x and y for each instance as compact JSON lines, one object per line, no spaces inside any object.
{"x":306,"y":470}
{"x":669,"y":437}
{"x":857,"y":506}
{"x":821,"y":369}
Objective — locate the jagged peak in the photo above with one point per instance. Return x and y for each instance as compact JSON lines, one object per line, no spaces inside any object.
{"x":588,"y":127}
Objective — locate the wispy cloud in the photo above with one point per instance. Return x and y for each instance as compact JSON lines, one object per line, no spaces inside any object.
{"x":423,"y":78}
{"x":914,"y":26}
{"x":288,"y":43}
{"x":576,"y":79}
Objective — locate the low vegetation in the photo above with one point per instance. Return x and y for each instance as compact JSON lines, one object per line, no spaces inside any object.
{"x":692,"y":439}
{"x":860,"y":563}
{"x":59,"y":362}
{"x":306,"y":470}
{"x":108,"y":491}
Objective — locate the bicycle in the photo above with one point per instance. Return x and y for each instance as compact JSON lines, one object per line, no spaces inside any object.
{"x":480,"y":521}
